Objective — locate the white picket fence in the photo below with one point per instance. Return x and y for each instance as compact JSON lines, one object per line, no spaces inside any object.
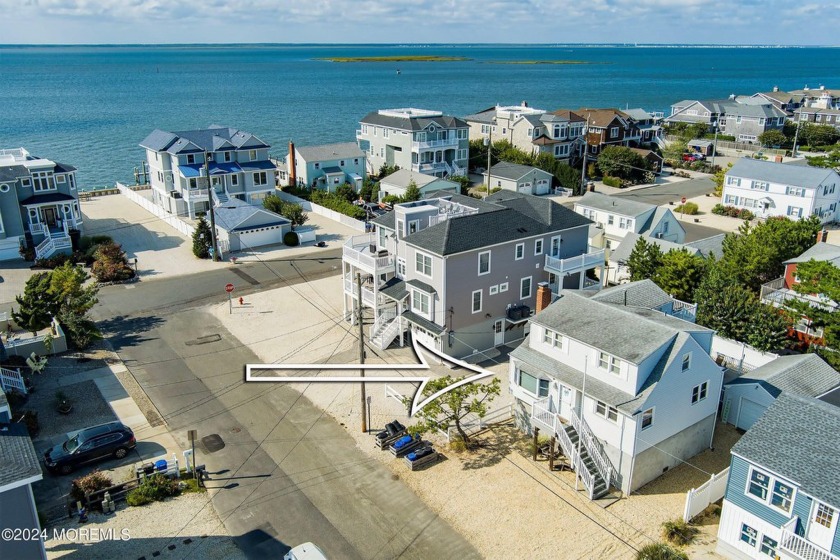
{"x":183,"y":227}
{"x":699,"y":498}
{"x":321,"y":211}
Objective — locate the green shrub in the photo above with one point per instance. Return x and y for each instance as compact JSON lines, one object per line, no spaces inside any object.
{"x":678,"y":532}
{"x":338,"y":204}
{"x":689,"y":208}
{"x":612,"y":182}
{"x":100,"y":239}
{"x":155,"y":488}
{"x":92,"y":482}
{"x":110,"y":263}
{"x":733,"y":212}
{"x":291,"y":239}
{"x":391,"y":199}
{"x":85,"y":243}
{"x":660,"y":551}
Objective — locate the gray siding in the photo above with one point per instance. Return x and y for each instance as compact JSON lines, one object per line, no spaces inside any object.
{"x":737,"y":494}
{"x":17,"y":512}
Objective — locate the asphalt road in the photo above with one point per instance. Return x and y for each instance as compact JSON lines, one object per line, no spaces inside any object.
{"x":286,"y":473}
{"x":672,"y":192}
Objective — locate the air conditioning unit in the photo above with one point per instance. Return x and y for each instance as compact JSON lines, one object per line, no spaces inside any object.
{"x":659,"y":235}
{"x":174,"y":194}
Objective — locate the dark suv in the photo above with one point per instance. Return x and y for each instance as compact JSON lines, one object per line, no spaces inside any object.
{"x":90,"y":444}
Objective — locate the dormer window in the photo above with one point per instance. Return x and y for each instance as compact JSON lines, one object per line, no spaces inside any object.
{"x":553,"y":338}
{"x":252,"y":155}
{"x":609,"y":363}
{"x":190,"y":159}
{"x":227,"y":156}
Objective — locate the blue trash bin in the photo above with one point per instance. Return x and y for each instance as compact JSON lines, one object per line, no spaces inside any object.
{"x":161,"y":466}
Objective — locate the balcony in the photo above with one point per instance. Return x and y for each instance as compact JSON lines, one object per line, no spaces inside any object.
{"x":361,"y":251}
{"x":195,"y":194}
{"x":447,"y":143}
{"x":368,"y":296}
{"x":359,"y":134}
{"x":776,"y":294}
{"x":680,"y":309}
{"x":794,"y":547}
{"x":432,"y":167}
{"x":573,"y":265}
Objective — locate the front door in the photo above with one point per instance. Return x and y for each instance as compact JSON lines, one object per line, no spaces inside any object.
{"x":50,"y":217}
{"x":499,"y":332}
{"x":566,"y":401}
{"x":555,"y":247}
{"x":822,"y":525}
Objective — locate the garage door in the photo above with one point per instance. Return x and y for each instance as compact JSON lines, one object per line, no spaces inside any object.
{"x":9,"y":249}
{"x":750,"y":412}
{"x":542,"y":187}
{"x":525,"y":188}
{"x":260,"y":237}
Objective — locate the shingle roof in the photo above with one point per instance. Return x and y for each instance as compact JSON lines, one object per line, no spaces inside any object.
{"x":781,"y":96}
{"x":46,"y":197}
{"x":415,"y":123}
{"x":798,"y":438}
{"x":513,"y":171}
{"x":394,"y":289}
{"x":18,"y":457}
{"x":402,"y":177}
{"x":766,"y":109}
{"x":625,"y":248}
{"x":638,"y":114}
{"x":342,"y":150}
{"x":819,"y":252}
{"x":422,"y":322}
{"x":618,"y":205}
{"x":233,"y":212}
{"x":420,"y":285}
{"x":628,"y":332}
{"x":12,"y":172}
{"x":568,"y":115}
{"x":505,"y":216}
{"x":657,"y":217}
{"x":808,"y":177}
{"x":642,"y":293}
{"x":806,"y":375}
{"x":710,"y":245}
{"x":600,"y":117}
{"x":212,"y":138}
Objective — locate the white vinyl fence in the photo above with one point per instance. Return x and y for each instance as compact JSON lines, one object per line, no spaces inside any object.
{"x":183,"y":227}
{"x":699,"y":498}
{"x":321,"y":211}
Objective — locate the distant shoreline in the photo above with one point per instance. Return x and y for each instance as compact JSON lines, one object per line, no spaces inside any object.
{"x":412,"y":45}
{"x":572,"y":62}
{"x":397,"y":58}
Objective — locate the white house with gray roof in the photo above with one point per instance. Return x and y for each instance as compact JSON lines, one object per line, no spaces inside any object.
{"x":20,"y":467}
{"x":397,"y":183}
{"x":746,"y":398}
{"x":615,"y":217}
{"x":39,"y":205}
{"x":782,"y":497}
{"x":242,"y":227}
{"x":418,"y":139}
{"x":745,"y":118}
{"x":618,"y":272}
{"x":777,"y":189}
{"x":519,"y":178}
{"x":238,"y":164}
{"x":329,"y":166}
{"x":623,"y":375}
{"x":462,"y":273}
{"x":532,"y":130}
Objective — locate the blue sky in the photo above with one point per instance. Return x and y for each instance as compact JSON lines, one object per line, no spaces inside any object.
{"x":806,"y":22}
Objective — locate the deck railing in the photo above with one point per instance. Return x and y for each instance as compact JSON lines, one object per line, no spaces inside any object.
{"x":575,"y":264}
{"x":356,"y":251}
{"x":801,"y":548}
{"x":12,"y":379}
{"x":593,"y":446}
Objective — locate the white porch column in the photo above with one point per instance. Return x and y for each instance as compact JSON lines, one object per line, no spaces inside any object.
{"x":582,"y":278}
{"x":399,"y":324}
{"x":601,"y":271}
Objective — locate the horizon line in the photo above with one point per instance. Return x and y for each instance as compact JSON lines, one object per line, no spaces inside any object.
{"x":633,"y":44}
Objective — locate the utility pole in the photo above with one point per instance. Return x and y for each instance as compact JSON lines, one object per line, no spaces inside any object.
{"x":489,"y":152}
{"x":216,"y":255}
{"x":361,"y":350}
{"x":714,"y":149}
{"x":796,"y":135}
{"x":585,"y":151}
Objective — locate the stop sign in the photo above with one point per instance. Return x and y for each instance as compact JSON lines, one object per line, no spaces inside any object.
{"x":228,"y":288}
{"x":682,"y":200}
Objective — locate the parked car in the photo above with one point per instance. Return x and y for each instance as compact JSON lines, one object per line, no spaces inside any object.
{"x":690,"y":157}
{"x":113,"y":439}
{"x":305,"y":551}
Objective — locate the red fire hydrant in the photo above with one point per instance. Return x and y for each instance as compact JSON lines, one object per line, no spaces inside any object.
{"x":241,"y":301}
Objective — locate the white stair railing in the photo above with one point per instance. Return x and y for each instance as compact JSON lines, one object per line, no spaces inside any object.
{"x":593,"y":447}
{"x":12,"y":379}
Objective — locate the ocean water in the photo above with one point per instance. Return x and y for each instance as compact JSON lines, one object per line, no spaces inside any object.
{"x":91,"y":106}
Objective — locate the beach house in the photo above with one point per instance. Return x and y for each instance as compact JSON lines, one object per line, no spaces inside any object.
{"x":519,"y":178}
{"x":39,"y":205}
{"x":237,"y":161}
{"x":776,"y":189}
{"x":327,"y":166}
{"x":417,"y":139}
{"x":623,"y":379}
{"x":782,"y":498}
{"x":462,"y":273}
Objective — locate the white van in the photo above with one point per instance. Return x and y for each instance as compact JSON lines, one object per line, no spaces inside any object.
{"x":305,"y":551}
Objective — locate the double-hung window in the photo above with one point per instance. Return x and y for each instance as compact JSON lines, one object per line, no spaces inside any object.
{"x":252,"y":155}
{"x":525,"y":288}
{"x":553,"y":338}
{"x":609,"y":363}
{"x":699,"y":392}
{"x":538,"y":247}
{"x":423,"y":264}
{"x":260,"y":178}
{"x":768,"y":490}
{"x":519,"y":252}
{"x":476,"y":301}
{"x":614,"y":132}
{"x":686,"y":361}
{"x":608,"y":412}
{"x":420,"y":302}
{"x":748,"y":534}
{"x":484,"y":263}
{"x":647,"y":418}
{"x":42,"y":181}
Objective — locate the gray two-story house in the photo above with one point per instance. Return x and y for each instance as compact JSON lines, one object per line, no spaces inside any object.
{"x":39,"y":205}
{"x":178,"y":162}
{"x":417,"y":139}
{"x":460,"y":273}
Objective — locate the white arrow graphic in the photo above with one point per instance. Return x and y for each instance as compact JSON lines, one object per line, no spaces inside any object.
{"x":416,"y":403}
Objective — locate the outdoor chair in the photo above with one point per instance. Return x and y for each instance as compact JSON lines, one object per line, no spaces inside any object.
{"x":36,"y":363}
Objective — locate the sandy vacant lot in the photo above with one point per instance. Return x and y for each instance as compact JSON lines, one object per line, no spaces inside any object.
{"x":506,"y":504}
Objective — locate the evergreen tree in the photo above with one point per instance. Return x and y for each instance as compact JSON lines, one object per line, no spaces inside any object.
{"x":644,"y":260}
{"x":412,"y":193}
{"x":202,"y":239}
{"x":680,"y":273}
{"x":37,"y":305}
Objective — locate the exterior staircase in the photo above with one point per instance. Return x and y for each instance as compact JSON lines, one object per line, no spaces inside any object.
{"x":220,"y":197}
{"x":385,"y":329}
{"x":597,"y":486}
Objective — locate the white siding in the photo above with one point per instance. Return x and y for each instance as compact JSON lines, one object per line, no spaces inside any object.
{"x":732,"y":518}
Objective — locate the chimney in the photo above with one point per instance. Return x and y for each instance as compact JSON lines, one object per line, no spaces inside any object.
{"x":775,"y":88}
{"x":524,"y":103}
{"x":290,"y":165}
{"x":543,"y":296}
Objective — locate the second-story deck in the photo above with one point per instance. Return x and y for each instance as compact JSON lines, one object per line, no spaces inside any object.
{"x":362,"y":252}
{"x":579,"y":263}
{"x":794,"y":547}
{"x":775,"y":293}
